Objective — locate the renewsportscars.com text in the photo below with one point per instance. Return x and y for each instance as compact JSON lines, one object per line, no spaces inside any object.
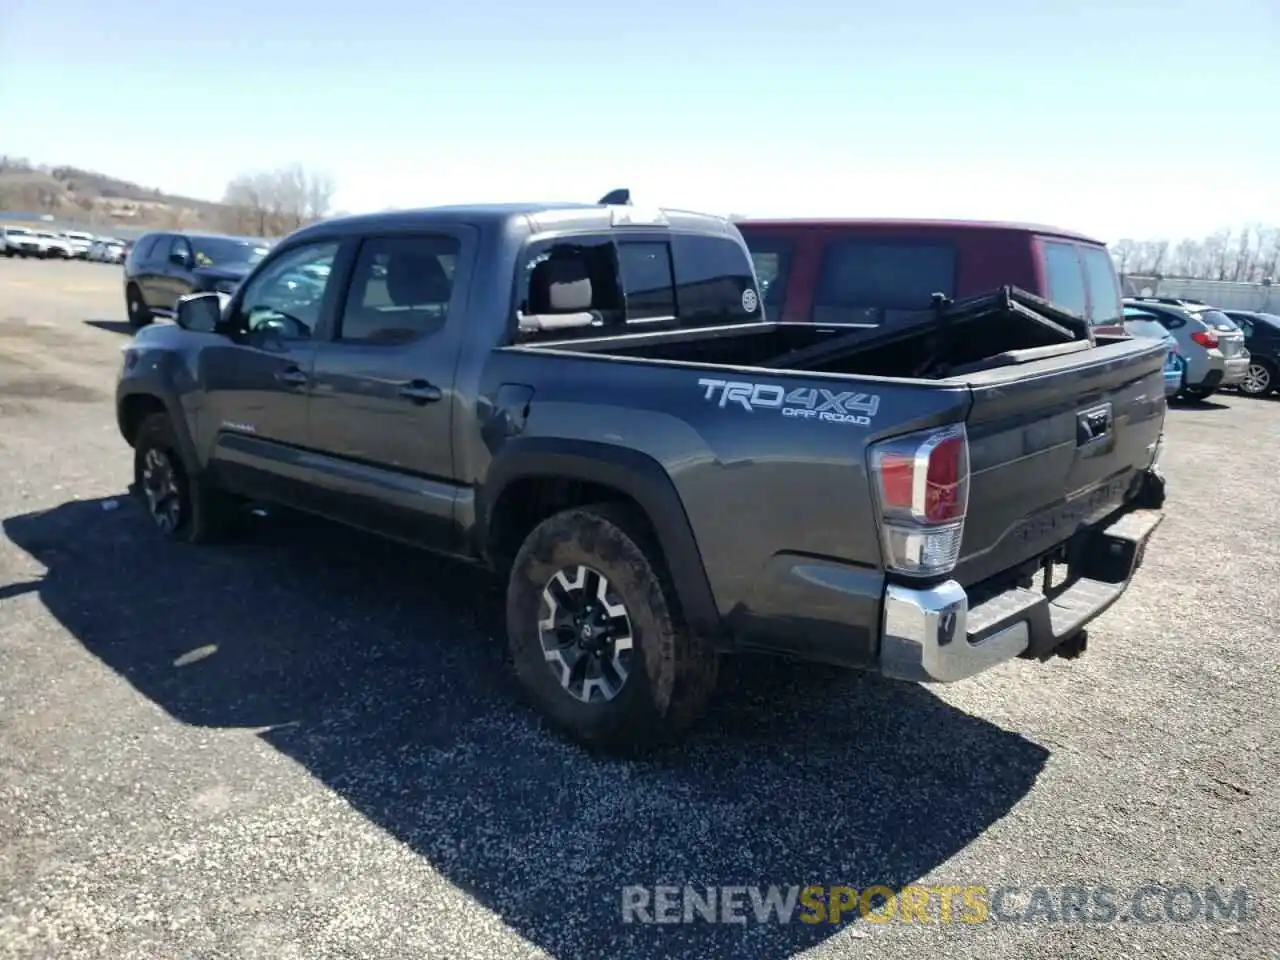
{"x":814,"y":904}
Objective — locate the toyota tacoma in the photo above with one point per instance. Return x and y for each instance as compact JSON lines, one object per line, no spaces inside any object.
{"x":589,"y":400}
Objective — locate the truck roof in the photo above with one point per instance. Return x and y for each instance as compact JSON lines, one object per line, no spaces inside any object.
{"x":939,"y":226}
{"x":538,"y":217}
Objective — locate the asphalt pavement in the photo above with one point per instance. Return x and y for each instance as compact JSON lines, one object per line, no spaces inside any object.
{"x":308,"y":743}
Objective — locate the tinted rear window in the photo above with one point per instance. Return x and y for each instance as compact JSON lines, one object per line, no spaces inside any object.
{"x":873,"y":281}
{"x":645,"y":270}
{"x":772,"y":259}
{"x":681,"y":280}
{"x":713,"y":275}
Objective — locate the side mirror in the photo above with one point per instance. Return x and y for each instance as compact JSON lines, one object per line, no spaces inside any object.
{"x":178,"y":258}
{"x":199,"y":312}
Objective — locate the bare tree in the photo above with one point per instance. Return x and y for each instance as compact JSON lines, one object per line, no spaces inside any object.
{"x":1125,"y":253}
{"x":272,"y":202}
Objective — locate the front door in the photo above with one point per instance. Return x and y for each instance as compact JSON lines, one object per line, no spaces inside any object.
{"x":255,"y":415}
{"x":383,"y":398}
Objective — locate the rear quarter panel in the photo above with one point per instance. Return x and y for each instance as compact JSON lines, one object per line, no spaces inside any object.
{"x":754,"y":484}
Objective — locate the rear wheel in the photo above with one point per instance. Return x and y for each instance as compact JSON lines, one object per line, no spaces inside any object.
{"x":1259,"y":380}
{"x":596,"y":633}
{"x":139,"y":315}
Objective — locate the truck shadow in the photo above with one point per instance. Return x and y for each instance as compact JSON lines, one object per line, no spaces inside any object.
{"x":112,"y":326}
{"x":382,"y":671}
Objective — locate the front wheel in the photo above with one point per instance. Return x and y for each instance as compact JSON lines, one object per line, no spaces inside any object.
{"x":1259,"y":380}
{"x":596,"y":633}
{"x":181,"y":508}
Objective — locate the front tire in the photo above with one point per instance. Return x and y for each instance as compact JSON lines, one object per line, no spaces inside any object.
{"x":1259,"y":380}
{"x":182,"y":509}
{"x":139,"y":315}
{"x":597,"y":636}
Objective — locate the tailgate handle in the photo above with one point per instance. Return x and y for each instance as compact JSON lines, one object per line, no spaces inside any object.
{"x":1093,"y":425}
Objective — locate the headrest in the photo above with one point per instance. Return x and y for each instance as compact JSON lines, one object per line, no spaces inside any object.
{"x":560,"y":286}
{"x":414,"y":279}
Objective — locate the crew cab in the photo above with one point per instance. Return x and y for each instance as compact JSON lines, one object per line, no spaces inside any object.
{"x":589,"y":400}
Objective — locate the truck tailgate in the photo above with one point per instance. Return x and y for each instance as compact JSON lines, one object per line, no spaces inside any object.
{"x":1055,"y":446}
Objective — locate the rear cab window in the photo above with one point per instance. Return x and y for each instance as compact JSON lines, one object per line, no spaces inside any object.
{"x":874,"y":281}
{"x":772,"y":258}
{"x":623,"y":282}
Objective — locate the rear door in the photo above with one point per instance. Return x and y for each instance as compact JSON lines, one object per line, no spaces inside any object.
{"x":382,"y":396}
{"x":176,"y":281}
{"x":1056,"y":445}
{"x":151,"y":275}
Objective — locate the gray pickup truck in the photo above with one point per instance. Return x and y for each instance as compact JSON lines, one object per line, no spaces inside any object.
{"x":588,"y":400}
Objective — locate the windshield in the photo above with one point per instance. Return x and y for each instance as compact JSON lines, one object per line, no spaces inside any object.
{"x":17,"y":231}
{"x":227,"y":251}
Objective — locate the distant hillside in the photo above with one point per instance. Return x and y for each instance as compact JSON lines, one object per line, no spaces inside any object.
{"x":82,"y":196}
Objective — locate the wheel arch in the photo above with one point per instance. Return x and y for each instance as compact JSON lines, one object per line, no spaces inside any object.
{"x":535,"y":478}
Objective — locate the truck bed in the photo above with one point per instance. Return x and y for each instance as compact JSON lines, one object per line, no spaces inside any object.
{"x":1028,"y":398}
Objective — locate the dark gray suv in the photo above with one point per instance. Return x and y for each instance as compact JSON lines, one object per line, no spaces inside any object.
{"x":162,"y":267}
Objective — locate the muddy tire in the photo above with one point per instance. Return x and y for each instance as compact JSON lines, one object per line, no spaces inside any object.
{"x":597,"y":636}
{"x":183,"y":510}
{"x":136,"y":307}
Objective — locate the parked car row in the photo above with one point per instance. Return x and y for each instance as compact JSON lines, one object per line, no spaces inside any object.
{"x":68,"y":245}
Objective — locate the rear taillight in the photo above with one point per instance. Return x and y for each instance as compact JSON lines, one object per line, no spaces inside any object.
{"x":1206,"y":338}
{"x":921,"y":484}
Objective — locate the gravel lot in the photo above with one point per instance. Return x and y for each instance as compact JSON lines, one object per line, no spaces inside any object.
{"x":307,"y":744}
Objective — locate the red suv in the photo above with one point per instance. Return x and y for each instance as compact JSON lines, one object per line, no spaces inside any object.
{"x":870,"y":271}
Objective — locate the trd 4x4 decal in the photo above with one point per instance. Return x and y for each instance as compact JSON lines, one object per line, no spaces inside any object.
{"x":805,"y":403}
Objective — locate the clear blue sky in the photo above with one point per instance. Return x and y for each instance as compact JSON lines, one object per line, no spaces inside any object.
{"x":1119,"y":117}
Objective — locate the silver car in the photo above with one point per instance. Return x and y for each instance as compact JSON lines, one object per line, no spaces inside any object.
{"x":1210,"y":344}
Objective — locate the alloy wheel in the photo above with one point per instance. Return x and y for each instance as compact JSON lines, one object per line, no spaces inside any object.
{"x":161,"y":489}
{"x":1257,"y":380}
{"x":586,"y":633}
